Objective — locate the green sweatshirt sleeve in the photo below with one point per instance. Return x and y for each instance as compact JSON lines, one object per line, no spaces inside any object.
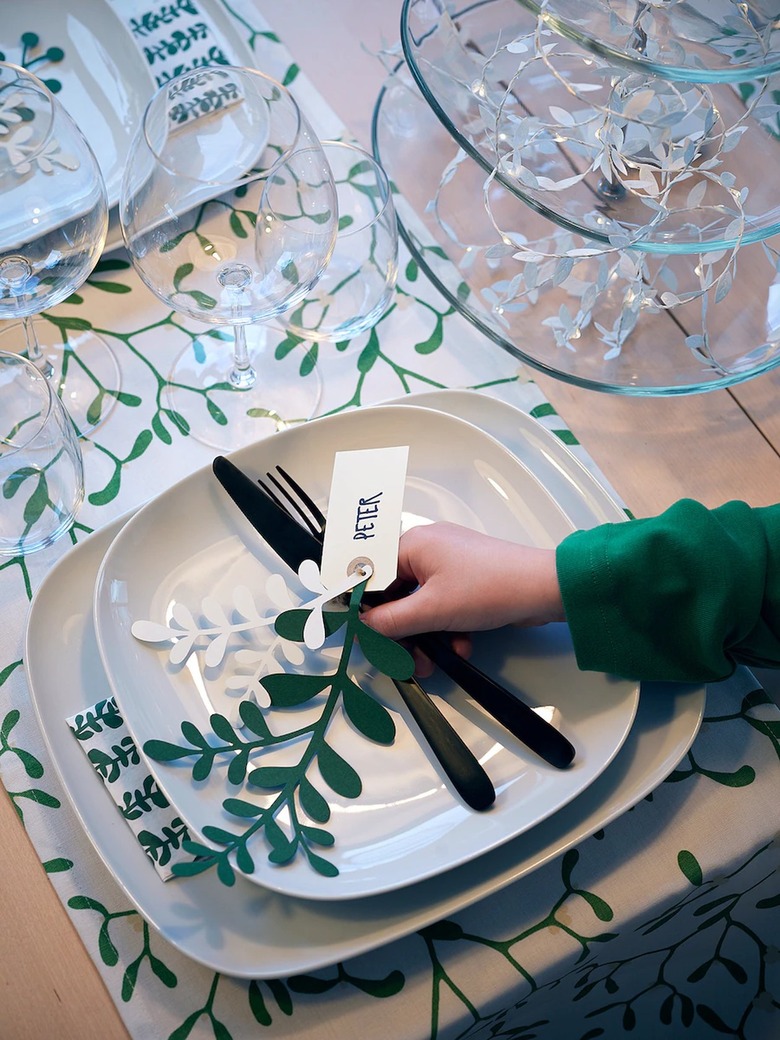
{"x":684,"y":596}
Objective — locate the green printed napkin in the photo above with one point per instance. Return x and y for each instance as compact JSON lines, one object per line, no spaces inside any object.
{"x":106,"y":741}
{"x":174,"y":37}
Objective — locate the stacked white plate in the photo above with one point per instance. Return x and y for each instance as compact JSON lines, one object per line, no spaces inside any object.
{"x":407,"y":850}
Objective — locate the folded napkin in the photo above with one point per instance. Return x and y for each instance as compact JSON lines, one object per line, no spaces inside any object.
{"x":174,"y":37}
{"x":106,"y":741}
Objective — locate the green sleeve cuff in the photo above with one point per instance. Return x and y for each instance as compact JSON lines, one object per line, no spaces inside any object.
{"x":683,"y":596}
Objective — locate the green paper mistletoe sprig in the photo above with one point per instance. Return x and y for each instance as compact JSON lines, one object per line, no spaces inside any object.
{"x":298,"y":797}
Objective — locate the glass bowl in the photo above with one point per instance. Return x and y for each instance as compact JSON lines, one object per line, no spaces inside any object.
{"x":574,"y":317}
{"x":703,"y":41}
{"x":620,"y":155}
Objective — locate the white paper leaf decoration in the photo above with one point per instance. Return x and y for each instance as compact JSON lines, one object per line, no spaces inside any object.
{"x":292,"y":652}
{"x":277,"y":591}
{"x":182,"y":615}
{"x":309,"y":573}
{"x":248,"y":657}
{"x":245,"y":603}
{"x":151,"y":632}
{"x":214,"y":611}
{"x":216,"y":650}
{"x":314,"y":630}
{"x":237,"y":682}
{"x":181,"y":649}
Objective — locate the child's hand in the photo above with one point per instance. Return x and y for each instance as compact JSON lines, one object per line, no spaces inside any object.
{"x":467,"y":582}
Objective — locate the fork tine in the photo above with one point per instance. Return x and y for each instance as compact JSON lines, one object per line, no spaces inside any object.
{"x":272,"y":495}
{"x":307,"y":500}
{"x":288,"y":503}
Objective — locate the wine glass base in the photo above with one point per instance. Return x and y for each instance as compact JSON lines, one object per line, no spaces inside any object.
{"x":215,"y":412}
{"x":84,"y":370}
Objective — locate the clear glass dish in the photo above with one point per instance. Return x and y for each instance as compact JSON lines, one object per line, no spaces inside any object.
{"x":711,"y":341}
{"x":620,"y":155}
{"x":702,"y":41}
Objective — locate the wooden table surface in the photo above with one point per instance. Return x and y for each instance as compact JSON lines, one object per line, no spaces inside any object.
{"x":713,"y":447}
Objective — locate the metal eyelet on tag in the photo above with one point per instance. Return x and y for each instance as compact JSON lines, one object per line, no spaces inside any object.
{"x":362,"y":566}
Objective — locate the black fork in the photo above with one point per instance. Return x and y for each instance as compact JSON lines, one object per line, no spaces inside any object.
{"x":506,"y":708}
{"x":456,"y":759}
{"x":304,"y":508}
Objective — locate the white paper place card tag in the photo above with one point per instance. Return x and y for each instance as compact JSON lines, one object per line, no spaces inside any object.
{"x":364,"y":515}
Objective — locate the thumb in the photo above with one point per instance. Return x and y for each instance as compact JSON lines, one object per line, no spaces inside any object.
{"x":402,"y":617}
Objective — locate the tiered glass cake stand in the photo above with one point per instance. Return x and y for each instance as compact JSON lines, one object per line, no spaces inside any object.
{"x":594,"y":183}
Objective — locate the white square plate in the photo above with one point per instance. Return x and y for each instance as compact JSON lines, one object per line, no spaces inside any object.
{"x":105,"y":80}
{"x":406,"y":825}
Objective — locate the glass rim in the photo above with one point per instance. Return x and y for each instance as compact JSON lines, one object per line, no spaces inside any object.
{"x":26,"y":80}
{"x":245,"y":72}
{"x":381,"y":175}
{"x":613,"y":49}
{"x":12,"y":447}
{"x":610,"y":49}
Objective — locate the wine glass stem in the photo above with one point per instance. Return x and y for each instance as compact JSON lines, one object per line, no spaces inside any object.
{"x":242,"y":375}
{"x":34,"y":352}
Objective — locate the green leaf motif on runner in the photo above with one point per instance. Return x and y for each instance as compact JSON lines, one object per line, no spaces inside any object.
{"x":369,"y":355}
{"x":309,"y":361}
{"x":541,"y":411}
{"x":112,"y":287}
{"x":291,"y":75}
{"x":380,"y":988}
{"x":567,"y":437}
{"x":58,"y":865}
{"x":109,"y":953}
{"x":32,"y":767}
{"x":443,"y":931}
{"x":689,"y":865}
{"x":434,"y":341}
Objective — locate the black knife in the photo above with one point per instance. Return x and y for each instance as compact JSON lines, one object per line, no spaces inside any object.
{"x":293,"y":545}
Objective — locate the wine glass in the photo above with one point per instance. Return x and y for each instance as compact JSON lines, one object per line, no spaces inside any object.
{"x":357,"y":286}
{"x":229,"y":213}
{"x":53,"y":224}
{"x":41,"y":469}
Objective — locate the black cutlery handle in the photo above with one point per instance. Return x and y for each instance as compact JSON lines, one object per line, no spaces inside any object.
{"x":458,"y":762}
{"x":514,"y":714}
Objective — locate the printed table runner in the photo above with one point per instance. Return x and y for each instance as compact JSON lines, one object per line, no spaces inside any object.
{"x":664,"y":923}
